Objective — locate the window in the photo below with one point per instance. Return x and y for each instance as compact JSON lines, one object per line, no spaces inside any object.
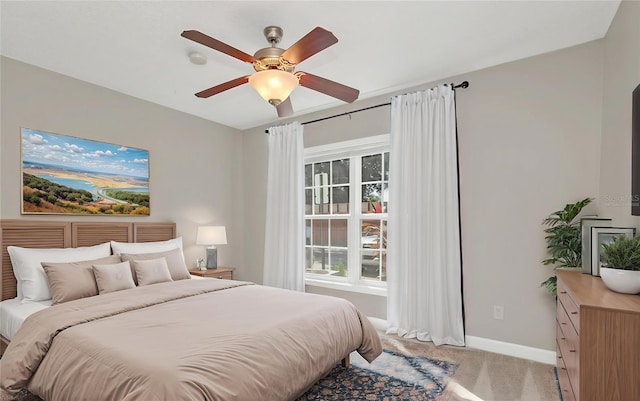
{"x":346,"y":200}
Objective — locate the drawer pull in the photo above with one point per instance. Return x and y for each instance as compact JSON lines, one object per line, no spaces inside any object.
{"x":563,"y":292}
{"x":574,"y":313}
{"x":564,"y":369}
{"x":562,"y":338}
{"x":572,"y":350}
{"x":560,"y":357}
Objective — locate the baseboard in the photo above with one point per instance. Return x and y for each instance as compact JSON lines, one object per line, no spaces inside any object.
{"x":516,"y":350}
{"x":498,"y":347}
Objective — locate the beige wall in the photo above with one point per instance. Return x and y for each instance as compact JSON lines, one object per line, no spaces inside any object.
{"x":529,"y":134}
{"x":621,"y":76}
{"x":195,"y":165}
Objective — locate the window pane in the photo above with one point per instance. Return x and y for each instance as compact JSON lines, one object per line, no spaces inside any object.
{"x":372,"y":168}
{"x":317,"y":260}
{"x":386,"y":166}
{"x":383,"y":244}
{"x":320,"y":232}
{"x":308,"y":258}
{"x":308,"y":198}
{"x":370,"y":238}
{"x":341,"y":171}
{"x":320,"y":168}
{"x":371,"y":198}
{"x":374,"y":269}
{"x":370,"y":265}
{"x":339,"y":232}
{"x":307,"y":231}
{"x":385,"y":198}
{"x":339,"y":262}
{"x":308,"y":177}
{"x":340,"y":200}
{"x":321,"y":196}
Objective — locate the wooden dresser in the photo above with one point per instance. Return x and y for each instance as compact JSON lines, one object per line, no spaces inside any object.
{"x":598,"y":340}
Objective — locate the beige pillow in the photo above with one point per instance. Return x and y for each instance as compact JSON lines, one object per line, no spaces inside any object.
{"x":75,"y":280}
{"x":174,"y":258}
{"x":113,"y":277}
{"x":152,"y":271}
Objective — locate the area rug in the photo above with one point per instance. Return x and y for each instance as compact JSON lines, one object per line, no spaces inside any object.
{"x":393,"y":376}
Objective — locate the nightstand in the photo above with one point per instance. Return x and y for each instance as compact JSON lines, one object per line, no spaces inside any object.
{"x":221,"y":272}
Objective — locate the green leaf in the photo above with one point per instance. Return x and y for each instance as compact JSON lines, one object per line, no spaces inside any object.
{"x":564,"y":239}
{"x":623,"y":253}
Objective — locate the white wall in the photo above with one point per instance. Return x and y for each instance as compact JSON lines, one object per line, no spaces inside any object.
{"x":195,"y":164}
{"x":621,"y":76}
{"x":529,"y":134}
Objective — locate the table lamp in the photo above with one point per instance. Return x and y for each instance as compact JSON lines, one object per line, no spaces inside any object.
{"x":211,"y":236}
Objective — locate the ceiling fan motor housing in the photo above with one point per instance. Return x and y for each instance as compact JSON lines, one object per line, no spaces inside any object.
{"x":269,"y":59}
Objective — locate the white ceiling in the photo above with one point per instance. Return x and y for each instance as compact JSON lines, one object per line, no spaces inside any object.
{"x":135,"y":47}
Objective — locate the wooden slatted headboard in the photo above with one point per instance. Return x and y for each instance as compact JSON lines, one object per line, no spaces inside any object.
{"x":53,"y":234}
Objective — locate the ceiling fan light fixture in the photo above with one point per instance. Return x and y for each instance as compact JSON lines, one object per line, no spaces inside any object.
{"x":274,"y":86}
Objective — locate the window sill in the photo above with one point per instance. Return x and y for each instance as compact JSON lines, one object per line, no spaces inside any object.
{"x":351,"y":287}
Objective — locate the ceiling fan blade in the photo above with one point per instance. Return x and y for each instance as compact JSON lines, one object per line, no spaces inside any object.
{"x":285,"y":109}
{"x":310,"y":44}
{"x":328,"y":87}
{"x":223,"y":87}
{"x":215,"y":44}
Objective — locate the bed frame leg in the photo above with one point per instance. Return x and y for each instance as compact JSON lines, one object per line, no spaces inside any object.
{"x":346,"y":362}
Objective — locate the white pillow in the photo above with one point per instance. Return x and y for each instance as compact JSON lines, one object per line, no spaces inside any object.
{"x":32,"y":280}
{"x":146,"y":247}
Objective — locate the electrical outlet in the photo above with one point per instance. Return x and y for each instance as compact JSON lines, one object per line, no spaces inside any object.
{"x":498,"y":312}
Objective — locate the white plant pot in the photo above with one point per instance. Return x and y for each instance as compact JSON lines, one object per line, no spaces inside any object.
{"x":623,"y":281}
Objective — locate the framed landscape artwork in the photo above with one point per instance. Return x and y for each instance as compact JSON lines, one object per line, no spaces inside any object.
{"x":67,"y":175}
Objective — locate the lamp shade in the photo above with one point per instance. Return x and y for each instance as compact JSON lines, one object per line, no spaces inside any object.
{"x":274,"y":86}
{"x":211,"y":235}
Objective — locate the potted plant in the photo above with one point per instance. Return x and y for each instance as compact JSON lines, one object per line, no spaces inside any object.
{"x":564,"y":242}
{"x":620,"y":269}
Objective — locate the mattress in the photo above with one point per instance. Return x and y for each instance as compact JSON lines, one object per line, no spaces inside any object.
{"x":13,"y":313}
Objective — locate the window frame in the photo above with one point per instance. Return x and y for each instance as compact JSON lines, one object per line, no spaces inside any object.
{"x":350,"y":149}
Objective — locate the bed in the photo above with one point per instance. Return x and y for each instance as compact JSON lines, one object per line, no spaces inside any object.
{"x":203,"y":339}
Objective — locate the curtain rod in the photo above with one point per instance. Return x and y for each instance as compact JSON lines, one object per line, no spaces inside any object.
{"x":463,"y":85}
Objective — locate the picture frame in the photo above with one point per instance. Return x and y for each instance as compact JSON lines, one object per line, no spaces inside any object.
{"x":62,"y":174}
{"x":605,"y":235}
{"x":585,"y":226}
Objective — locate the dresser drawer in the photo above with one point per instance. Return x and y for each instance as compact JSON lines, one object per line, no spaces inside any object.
{"x":563,"y":378}
{"x":569,"y":344}
{"x":564,"y":298}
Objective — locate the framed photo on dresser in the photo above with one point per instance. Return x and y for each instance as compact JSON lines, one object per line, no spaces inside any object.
{"x":605,"y":235}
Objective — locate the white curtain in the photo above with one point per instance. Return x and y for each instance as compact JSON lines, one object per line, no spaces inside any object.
{"x":284,"y":231}
{"x":424,"y":284}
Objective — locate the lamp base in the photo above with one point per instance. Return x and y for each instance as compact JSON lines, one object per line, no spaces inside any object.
{"x":212,"y":258}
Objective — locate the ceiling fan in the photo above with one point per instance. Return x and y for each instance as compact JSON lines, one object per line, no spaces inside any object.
{"x":274,"y":78}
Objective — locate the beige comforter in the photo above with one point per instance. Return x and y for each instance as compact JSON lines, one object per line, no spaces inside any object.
{"x":185,"y":340}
